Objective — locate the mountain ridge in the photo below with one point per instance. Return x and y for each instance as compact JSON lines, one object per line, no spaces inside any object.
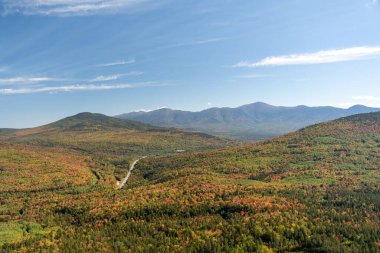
{"x":252,"y":121}
{"x":85,"y":120}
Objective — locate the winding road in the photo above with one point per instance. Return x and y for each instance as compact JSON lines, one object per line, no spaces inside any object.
{"x":131,"y":168}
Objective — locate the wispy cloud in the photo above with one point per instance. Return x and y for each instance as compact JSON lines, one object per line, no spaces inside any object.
{"x":26,"y":80}
{"x":116,"y":63}
{"x":103,"y":78}
{"x":70,"y":7}
{"x":3,"y":69}
{"x":79,"y":87}
{"x":326,"y":56}
{"x":199,"y":42}
{"x":366,"y":98}
{"x":63,"y":88}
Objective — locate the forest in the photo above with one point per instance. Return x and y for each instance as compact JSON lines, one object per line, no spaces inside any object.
{"x":314,"y":190}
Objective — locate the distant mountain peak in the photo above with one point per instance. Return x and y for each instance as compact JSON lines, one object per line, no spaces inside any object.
{"x":253,"y":121}
{"x":258,"y":104}
{"x":358,"y":106}
{"x":87,"y":121}
{"x":86,"y":115}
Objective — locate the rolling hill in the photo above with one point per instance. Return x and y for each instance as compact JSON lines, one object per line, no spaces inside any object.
{"x":255,"y":121}
{"x":314,"y":190}
{"x":98,"y":134}
{"x":111,"y":143}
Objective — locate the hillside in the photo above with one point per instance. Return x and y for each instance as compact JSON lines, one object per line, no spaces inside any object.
{"x":254,"y":121}
{"x":96,"y":122}
{"x":351,"y":140}
{"x":82,"y":122}
{"x":31,"y":176}
{"x":315,"y":190}
{"x":98,"y":134}
{"x":110,"y":141}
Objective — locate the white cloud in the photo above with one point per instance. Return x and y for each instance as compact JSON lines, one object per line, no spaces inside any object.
{"x":69,"y":7}
{"x":3,"y":69}
{"x":116,"y":63}
{"x":326,"y":56}
{"x":143,"y":110}
{"x":106,"y":78}
{"x":26,"y":80}
{"x":365,"y":98}
{"x":79,"y":87}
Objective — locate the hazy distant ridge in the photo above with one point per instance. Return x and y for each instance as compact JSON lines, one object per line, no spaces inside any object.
{"x":252,"y":121}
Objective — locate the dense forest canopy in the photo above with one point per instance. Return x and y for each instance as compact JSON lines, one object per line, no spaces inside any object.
{"x":315,"y":190}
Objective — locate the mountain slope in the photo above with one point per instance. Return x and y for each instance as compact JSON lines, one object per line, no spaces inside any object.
{"x":32,"y":177}
{"x":315,"y":190}
{"x":346,"y":140}
{"x":98,"y":134}
{"x":95,"y":121}
{"x":84,"y":122}
{"x":254,"y":121}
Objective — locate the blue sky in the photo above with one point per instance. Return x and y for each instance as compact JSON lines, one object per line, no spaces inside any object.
{"x":61,"y":57}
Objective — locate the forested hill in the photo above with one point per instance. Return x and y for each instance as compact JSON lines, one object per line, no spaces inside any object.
{"x":86,"y":121}
{"x":103,"y":135}
{"x":350,"y":140}
{"x":255,"y":121}
{"x":314,"y":190}
{"x":95,"y":121}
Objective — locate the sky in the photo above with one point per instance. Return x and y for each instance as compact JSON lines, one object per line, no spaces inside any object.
{"x":62,"y":57}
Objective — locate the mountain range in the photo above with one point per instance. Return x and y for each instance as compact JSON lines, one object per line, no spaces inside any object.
{"x":255,"y":121}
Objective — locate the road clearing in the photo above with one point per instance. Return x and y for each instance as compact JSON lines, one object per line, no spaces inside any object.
{"x":131,"y":168}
